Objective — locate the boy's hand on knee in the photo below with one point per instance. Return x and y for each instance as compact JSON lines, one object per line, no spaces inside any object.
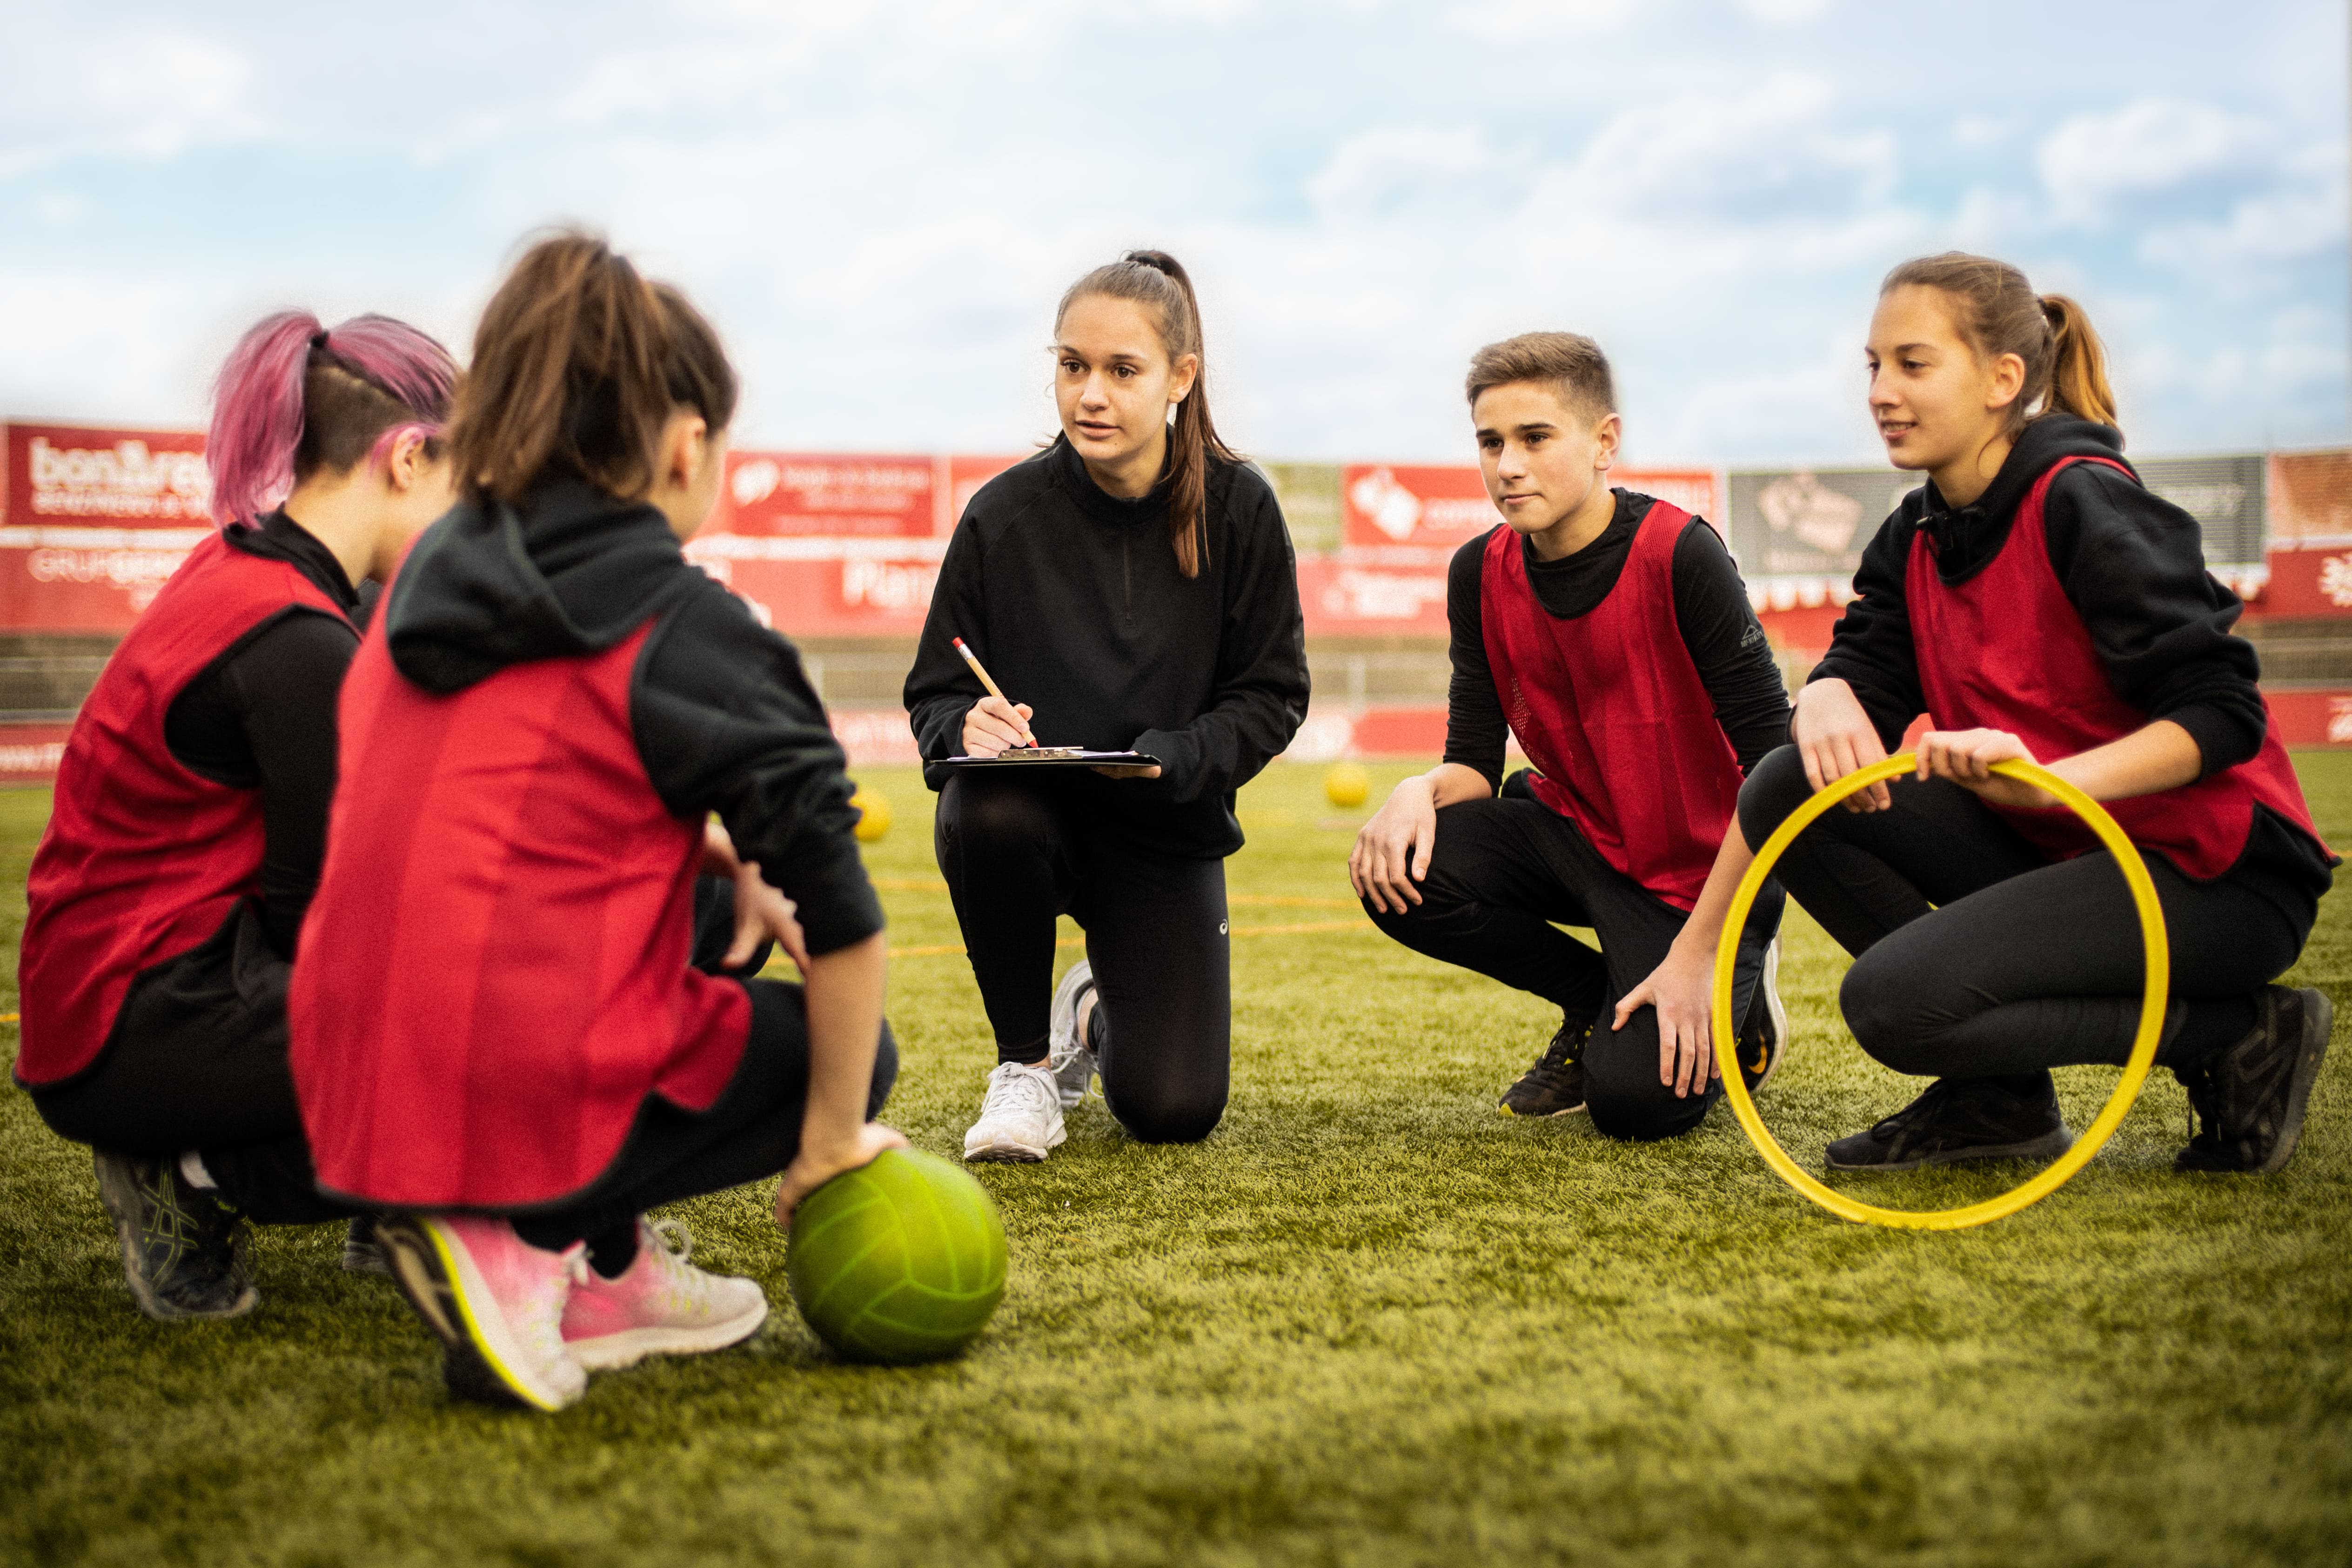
{"x":1679,"y":990}
{"x":813,"y":1168}
{"x":1392,"y":849}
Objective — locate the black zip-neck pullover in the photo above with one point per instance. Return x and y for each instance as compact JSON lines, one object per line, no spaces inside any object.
{"x":2131,"y":564}
{"x":1072,"y":599}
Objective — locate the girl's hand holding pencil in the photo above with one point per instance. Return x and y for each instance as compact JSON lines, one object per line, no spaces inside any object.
{"x":995,"y":723}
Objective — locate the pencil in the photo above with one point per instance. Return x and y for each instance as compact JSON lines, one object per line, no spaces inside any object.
{"x":995,"y":691}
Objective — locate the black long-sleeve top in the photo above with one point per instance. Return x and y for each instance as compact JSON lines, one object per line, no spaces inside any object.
{"x":723,"y":715}
{"x":1072,"y":598}
{"x":262,"y":716}
{"x":1719,"y":627}
{"x":2133,"y":566}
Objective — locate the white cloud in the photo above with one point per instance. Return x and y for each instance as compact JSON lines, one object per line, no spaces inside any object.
{"x":2096,"y":165}
{"x":1523,"y":21}
{"x":150,"y":94}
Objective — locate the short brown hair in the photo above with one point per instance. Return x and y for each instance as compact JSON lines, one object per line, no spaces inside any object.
{"x":1570,"y":361}
{"x":578,"y":364}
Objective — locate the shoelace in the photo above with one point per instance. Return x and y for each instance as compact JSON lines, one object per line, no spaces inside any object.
{"x":674,"y":1245}
{"x":1013,"y":1088}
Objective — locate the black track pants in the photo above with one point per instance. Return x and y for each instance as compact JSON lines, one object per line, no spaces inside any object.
{"x":198,"y":1061}
{"x":1977,"y":957}
{"x":1503,"y":871}
{"x":1015,"y":855}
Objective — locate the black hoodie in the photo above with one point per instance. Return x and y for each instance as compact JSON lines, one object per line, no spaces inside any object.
{"x":1071,"y":597}
{"x":724,"y":718}
{"x":2131,"y":564}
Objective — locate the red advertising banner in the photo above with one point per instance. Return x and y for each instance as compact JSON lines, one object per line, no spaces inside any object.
{"x":833,"y":546}
{"x":97,"y":519}
{"x":771,"y":495}
{"x":1385,"y":506}
{"x":2309,"y":582}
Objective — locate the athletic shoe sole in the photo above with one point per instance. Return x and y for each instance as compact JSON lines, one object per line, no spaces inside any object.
{"x":479,"y":1360}
{"x":363,"y":1254}
{"x":118,"y":1189}
{"x":1775,"y":1012}
{"x":2318,"y":1022}
{"x":1539,"y":1115}
{"x":610,"y":1353}
{"x":1001,"y":1150}
{"x":2049,"y":1146}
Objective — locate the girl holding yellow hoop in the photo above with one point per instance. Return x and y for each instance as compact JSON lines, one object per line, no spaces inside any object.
{"x":2036,"y":603}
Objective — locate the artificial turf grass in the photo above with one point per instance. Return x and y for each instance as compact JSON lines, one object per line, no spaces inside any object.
{"x":1369,"y":1321}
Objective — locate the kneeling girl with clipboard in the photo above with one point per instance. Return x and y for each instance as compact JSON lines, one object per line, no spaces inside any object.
{"x":1132,"y":586}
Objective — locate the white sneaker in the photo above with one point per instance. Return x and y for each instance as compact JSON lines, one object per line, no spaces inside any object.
{"x":1022,"y":1117}
{"x":494,"y":1301}
{"x":1067,"y":1056}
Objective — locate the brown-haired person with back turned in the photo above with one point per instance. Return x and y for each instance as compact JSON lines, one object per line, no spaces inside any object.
{"x":1130,"y":587}
{"x":1611,"y":632}
{"x":503,"y":1030}
{"x":2035,"y":601}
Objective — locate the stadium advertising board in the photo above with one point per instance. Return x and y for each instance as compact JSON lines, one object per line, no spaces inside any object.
{"x":2308,"y":500}
{"x":835,"y":544}
{"x":97,"y":519}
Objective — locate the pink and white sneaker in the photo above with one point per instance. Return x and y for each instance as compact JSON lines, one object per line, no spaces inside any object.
{"x":662,"y":1305}
{"x":494,"y":1301}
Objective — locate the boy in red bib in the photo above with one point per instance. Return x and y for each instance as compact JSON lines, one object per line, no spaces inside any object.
{"x":1610,"y":634}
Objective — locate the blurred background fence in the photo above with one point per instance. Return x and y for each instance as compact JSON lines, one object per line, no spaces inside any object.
{"x":841,"y":552}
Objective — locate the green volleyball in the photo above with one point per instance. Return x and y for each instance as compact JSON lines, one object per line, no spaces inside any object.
{"x":898,"y":1261}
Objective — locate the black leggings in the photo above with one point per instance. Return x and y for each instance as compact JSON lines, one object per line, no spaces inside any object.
{"x":1503,"y":870}
{"x":1977,"y":956}
{"x":1016,"y":855}
{"x":196,"y":1060}
{"x":748,"y":1133}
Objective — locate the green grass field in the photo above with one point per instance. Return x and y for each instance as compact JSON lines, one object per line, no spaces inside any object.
{"x":1370,"y":1320}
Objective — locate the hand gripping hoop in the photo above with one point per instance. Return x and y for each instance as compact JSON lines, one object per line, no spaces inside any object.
{"x":2136,"y":1069}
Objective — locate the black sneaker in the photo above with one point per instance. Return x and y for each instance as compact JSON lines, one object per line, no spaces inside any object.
{"x":1764,"y":1036}
{"x":1958,"y":1119}
{"x":363,"y":1254}
{"x":183,"y":1250}
{"x":1555,"y":1085}
{"x":2250,"y":1100}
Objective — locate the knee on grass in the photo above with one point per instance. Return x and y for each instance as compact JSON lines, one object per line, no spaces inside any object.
{"x":1167,"y":1117}
{"x":1627,"y":1102}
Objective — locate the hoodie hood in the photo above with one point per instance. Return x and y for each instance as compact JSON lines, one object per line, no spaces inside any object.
{"x":571,"y":571}
{"x":1967,"y":537}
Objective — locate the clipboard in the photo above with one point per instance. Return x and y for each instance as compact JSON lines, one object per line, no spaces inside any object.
{"x":1054,"y":757}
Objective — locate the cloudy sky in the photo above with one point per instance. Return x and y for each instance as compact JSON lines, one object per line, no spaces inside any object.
{"x":878,"y":200}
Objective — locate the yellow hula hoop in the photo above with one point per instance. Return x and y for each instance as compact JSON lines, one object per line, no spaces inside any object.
{"x":2143,"y":1051}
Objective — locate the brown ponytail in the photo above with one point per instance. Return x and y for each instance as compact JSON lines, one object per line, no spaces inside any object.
{"x":1999,"y":314}
{"x":1155,"y":278}
{"x":578,"y":364}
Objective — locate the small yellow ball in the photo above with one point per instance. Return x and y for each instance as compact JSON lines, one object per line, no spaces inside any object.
{"x":1347,"y":784}
{"x":874,"y":814}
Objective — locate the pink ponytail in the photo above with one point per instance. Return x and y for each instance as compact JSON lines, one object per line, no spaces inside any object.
{"x":294,"y":398}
